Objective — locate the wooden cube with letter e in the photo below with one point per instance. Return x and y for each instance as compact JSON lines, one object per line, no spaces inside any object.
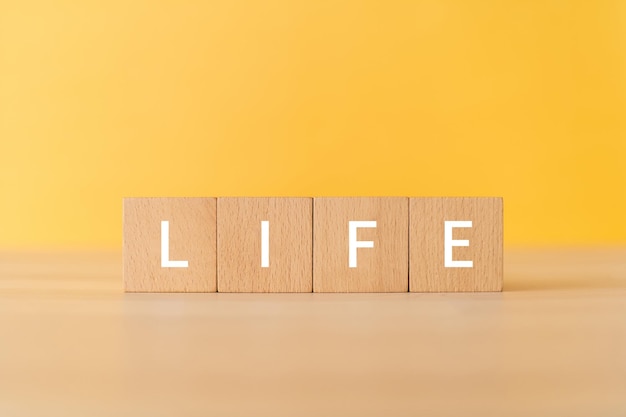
{"x":455,"y":244}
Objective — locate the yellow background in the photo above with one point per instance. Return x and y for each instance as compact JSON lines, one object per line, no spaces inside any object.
{"x":105,"y":99}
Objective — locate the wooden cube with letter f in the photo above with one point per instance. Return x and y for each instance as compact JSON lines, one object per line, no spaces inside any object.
{"x":360,"y":244}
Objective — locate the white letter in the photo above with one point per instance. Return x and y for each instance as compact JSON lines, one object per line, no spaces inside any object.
{"x":165,"y":249}
{"x":265,"y":244}
{"x":449,"y":243}
{"x":353,"y":243}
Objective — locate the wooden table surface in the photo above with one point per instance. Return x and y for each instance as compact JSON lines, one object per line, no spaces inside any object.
{"x":552,"y":344}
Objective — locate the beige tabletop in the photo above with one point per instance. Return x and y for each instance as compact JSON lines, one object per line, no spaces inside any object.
{"x":552,"y":344}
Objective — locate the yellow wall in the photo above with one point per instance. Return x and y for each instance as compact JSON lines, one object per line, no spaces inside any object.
{"x":105,"y":99}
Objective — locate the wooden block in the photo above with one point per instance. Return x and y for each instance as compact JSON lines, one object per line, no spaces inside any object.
{"x":381,"y":268}
{"x":190,"y":224}
{"x":427,"y":243}
{"x":285,"y":265}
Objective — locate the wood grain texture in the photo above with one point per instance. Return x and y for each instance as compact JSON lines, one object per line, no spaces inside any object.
{"x":239,"y":245}
{"x":192,"y":237}
{"x":552,"y":344}
{"x":426,"y":244}
{"x":383,"y":268}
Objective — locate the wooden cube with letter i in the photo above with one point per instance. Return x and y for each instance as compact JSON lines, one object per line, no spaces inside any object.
{"x":264,"y":244}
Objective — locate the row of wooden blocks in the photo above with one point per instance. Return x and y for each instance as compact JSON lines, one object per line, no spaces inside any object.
{"x":328,"y":244}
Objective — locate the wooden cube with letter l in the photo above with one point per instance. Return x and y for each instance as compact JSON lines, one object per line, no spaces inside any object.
{"x":360,"y":244}
{"x":455,"y":244}
{"x":169,"y":244}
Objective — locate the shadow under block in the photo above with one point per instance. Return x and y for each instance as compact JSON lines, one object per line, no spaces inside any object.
{"x":427,"y":253}
{"x":191,"y":226}
{"x":381,"y":268}
{"x":288,"y":254}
